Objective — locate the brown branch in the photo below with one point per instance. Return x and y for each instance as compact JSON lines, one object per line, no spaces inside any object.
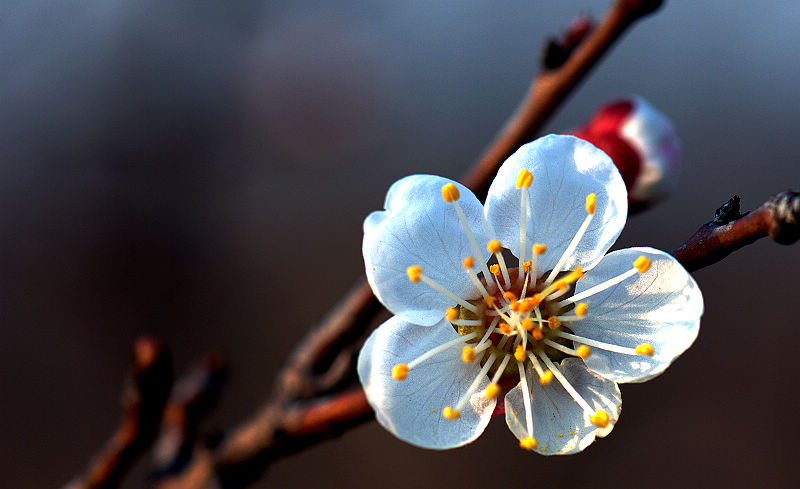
{"x":143,"y":399}
{"x":778,"y":218}
{"x":193,"y":396}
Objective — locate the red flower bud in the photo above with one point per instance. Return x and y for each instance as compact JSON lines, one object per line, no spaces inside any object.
{"x":643,"y":144}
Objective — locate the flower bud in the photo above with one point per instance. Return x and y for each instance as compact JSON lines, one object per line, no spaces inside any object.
{"x":643,"y":144}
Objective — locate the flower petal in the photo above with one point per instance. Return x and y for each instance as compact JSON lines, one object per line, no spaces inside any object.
{"x":560,"y":425}
{"x":565,"y":170}
{"x":661,"y":307}
{"x":419,"y":228}
{"x":412,"y":409}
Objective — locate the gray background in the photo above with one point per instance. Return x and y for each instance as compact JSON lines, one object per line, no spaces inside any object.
{"x":201,"y":173}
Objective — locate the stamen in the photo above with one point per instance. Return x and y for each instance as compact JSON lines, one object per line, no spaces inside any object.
{"x":415,"y":275}
{"x":450,"y":413}
{"x":528,"y":443}
{"x":467,"y":322}
{"x":526,"y":397}
{"x":519,"y":353}
{"x":400,"y":371}
{"x":590,"y":208}
{"x":495,"y":247}
{"x":553,"y":322}
{"x":492,"y":390}
{"x":527,"y":324}
{"x":524,"y":180}
{"x":451,"y":314}
{"x":567,"y":386}
{"x":581,"y":309}
{"x":537,"y":334}
{"x":470,"y":235}
{"x":545,"y":376}
{"x":450,"y":193}
{"x":467,"y":354}
{"x":475,"y":383}
{"x":641,"y":265}
{"x":599,"y":419}
{"x":444,"y":346}
{"x":569,"y":351}
{"x":563,"y":282}
{"x":643,"y":349}
{"x":500,"y":369}
{"x":469,"y":263}
{"x":537,"y":249}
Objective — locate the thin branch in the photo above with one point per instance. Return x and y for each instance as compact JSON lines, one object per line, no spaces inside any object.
{"x":551,"y":87}
{"x":778,"y":218}
{"x":143,"y":399}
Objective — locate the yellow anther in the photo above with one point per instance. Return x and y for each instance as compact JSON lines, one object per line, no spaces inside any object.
{"x":495,"y":269}
{"x":562,"y":286}
{"x":539,"y":248}
{"x":535,"y":300}
{"x":514,"y":305}
{"x":494,"y":246}
{"x":490,"y":300}
{"x":519,"y":353}
{"x":583,"y":351}
{"x":509,"y":295}
{"x":414,"y":273}
{"x":527,"y":324}
{"x":599,"y":419}
{"x":492,"y":390}
{"x":546,"y":377}
{"x":537,"y":334}
{"x":451,"y":413}
{"x":574,"y":275}
{"x":524,"y":306}
{"x":642,"y":264}
{"x":526,"y":265}
{"x":581,"y":309}
{"x":645,"y":349}
{"x":469,"y":262}
{"x":450,"y":192}
{"x":451,"y":314}
{"x":528,"y":443}
{"x":400,"y":371}
{"x":553,"y":322}
{"x":468,"y":354}
{"x":504,"y":328}
{"x":524,"y":179}
{"x":591,"y":203}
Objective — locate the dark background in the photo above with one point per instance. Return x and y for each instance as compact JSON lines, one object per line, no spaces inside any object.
{"x":201,"y":173}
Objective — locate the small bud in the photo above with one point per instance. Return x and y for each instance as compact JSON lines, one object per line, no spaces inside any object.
{"x":643,"y":144}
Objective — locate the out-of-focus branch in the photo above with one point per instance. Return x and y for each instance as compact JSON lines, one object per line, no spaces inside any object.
{"x":193,"y":396}
{"x":778,"y":218}
{"x":143,"y":399}
{"x":552,"y":86}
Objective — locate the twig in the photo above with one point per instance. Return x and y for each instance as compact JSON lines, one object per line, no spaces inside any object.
{"x":193,"y":395}
{"x":143,"y":399}
{"x":778,"y":218}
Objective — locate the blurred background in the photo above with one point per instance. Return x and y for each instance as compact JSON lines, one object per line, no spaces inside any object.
{"x":192,"y":171}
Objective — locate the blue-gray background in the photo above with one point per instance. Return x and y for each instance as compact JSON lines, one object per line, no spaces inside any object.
{"x":200,"y":172}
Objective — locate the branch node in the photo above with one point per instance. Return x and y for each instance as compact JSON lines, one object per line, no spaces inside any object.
{"x":785,"y":210}
{"x":728,"y":212}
